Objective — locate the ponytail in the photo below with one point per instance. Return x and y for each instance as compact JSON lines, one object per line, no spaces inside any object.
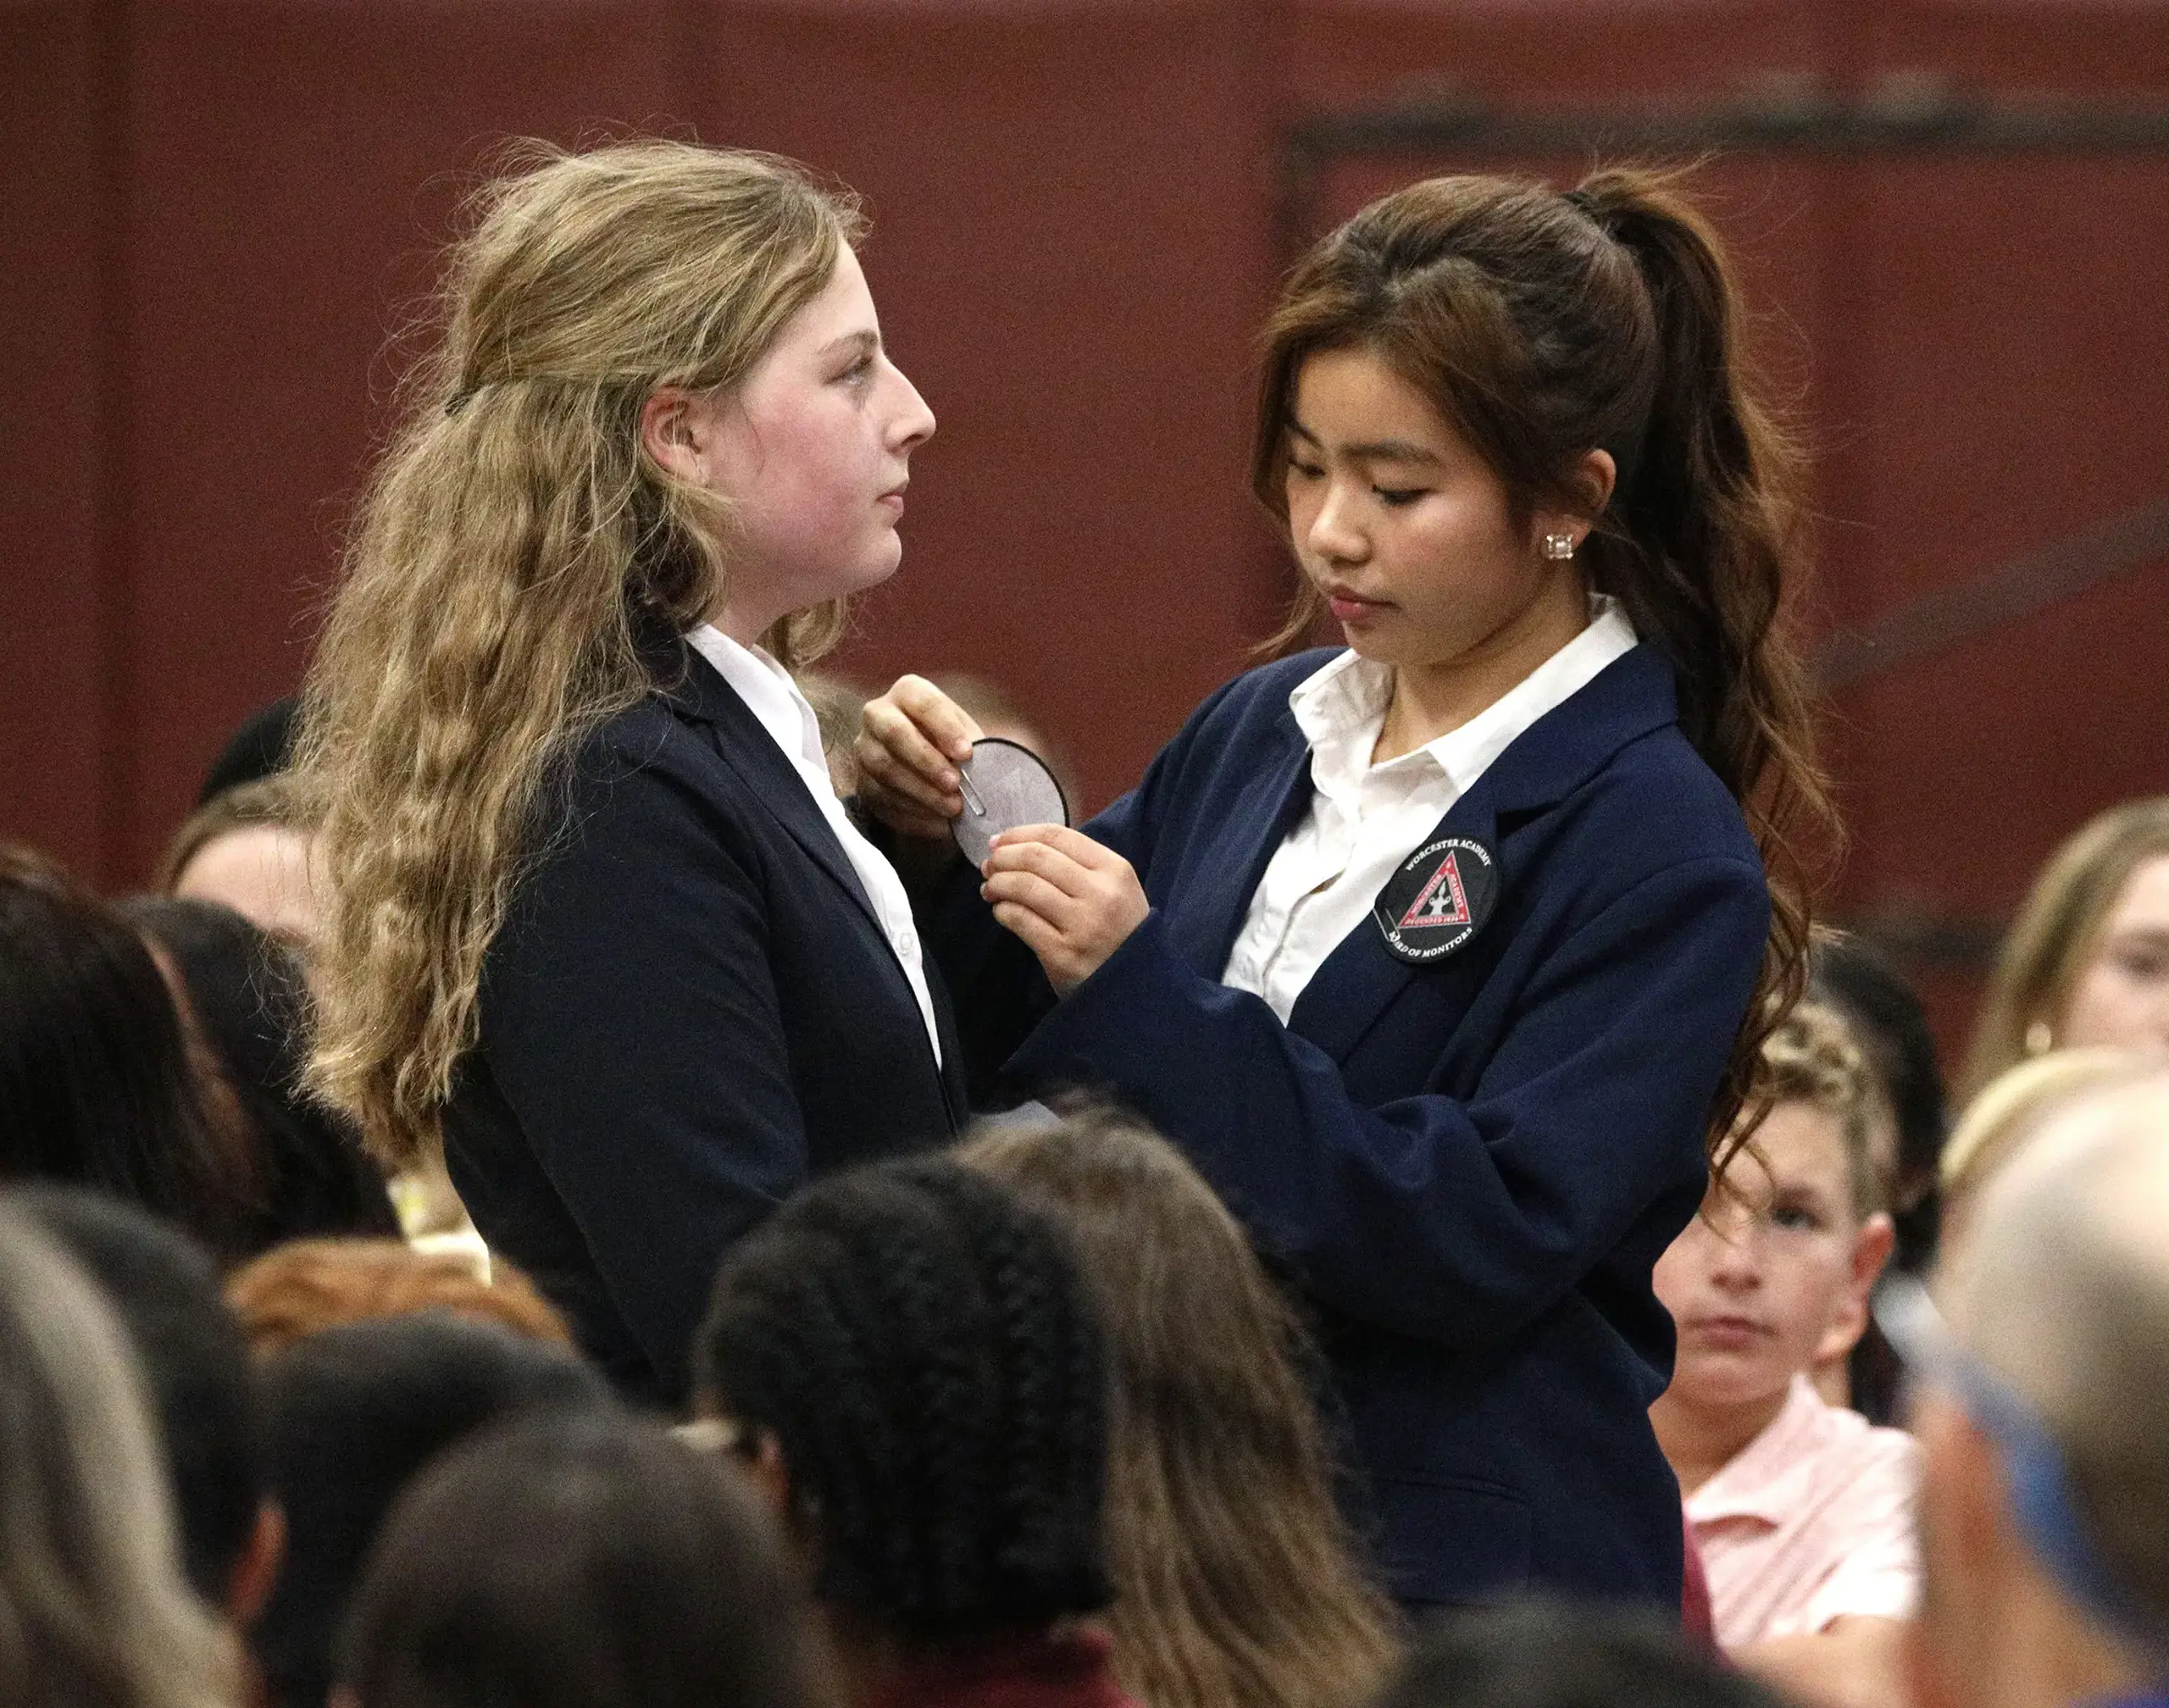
{"x":1703,"y":529}
{"x":1543,"y":326}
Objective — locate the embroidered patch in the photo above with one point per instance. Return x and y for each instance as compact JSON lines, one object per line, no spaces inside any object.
{"x":1438,"y":899}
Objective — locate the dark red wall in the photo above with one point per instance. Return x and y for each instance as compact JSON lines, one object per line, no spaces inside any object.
{"x":217,"y":211}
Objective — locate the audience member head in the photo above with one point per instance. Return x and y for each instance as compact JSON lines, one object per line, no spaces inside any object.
{"x":911,"y":1356}
{"x":1541,"y":1654}
{"x":1907,"y":1116}
{"x":94,"y":1609}
{"x":1233,"y":1572}
{"x":163,"y":1291}
{"x":1775,"y":1273}
{"x":308,"y":1285}
{"x":582,"y":1562}
{"x":260,"y":746}
{"x":2007,"y":1112}
{"x":2087,"y":961}
{"x":245,"y":995}
{"x":2043,"y":1405}
{"x":97,"y":1085}
{"x":352,"y":1414}
{"x":251,"y":849}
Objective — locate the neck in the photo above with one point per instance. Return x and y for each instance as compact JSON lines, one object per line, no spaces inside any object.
{"x":1699,"y":1441}
{"x":1433,"y":697}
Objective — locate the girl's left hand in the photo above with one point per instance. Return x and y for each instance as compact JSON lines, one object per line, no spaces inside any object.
{"x":1072,"y":901}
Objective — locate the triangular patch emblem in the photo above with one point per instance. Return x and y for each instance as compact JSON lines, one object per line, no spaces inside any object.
{"x":1443,"y":900}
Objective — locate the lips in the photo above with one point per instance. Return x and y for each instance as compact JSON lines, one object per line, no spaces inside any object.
{"x":1349,"y":605}
{"x":1731,"y":1333}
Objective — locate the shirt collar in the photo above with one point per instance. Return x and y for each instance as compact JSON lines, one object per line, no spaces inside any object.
{"x":1769,"y":1477}
{"x":1340,"y":707}
{"x":768,"y":691}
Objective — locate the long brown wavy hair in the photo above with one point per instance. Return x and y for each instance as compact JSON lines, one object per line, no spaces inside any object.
{"x":1542,"y":327}
{"x":517,"y":544}
{"x":1236,"y":1577}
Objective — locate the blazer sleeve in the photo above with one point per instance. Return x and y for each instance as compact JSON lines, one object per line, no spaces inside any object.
{"x":631,"y":1022}
{"x":1456,"y":1222}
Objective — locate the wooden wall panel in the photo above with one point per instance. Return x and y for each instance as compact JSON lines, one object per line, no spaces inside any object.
{"x":54,"y":557}
{"x":1070,"y":252}
{"x":295,"y":169}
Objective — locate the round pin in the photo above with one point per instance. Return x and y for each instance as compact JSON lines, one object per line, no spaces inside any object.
{"x":1438,"y":899}
{"x":1004,"y":784}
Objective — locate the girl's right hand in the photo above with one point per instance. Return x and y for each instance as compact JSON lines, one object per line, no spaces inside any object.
{"x":910,"y":742}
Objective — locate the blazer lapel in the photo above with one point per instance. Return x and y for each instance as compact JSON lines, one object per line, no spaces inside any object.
{"x":1630,"y":698}
{"x":701,"y":695}
{"x":1216,"y":895}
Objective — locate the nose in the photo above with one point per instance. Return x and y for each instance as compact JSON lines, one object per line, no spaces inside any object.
{"x":1736,"y":1255}
{"x":1332,"y":534}
{"x":912,"y":425}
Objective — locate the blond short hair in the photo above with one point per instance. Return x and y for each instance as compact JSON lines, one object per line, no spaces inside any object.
{"x":1813,"y":1058}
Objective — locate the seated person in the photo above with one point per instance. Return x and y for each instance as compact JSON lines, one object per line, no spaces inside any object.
{"x":1802,"y":1510}
{"x":1237,"y":1579}
{"x":352,"y":1414}
{"x":308,"y":1285}
{"x":910,"y":1363}
{"x":250,"y":848}
{"x":1542,"y":1654}
{"x":649,"y":1576}
{"x":2040,"y":1382}
{"x":163,"y":1291}
{"x":244,"y":1005}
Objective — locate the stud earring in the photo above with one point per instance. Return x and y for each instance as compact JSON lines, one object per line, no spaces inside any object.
{"x":1559,"y":548}
{"x":2040,"y":1039}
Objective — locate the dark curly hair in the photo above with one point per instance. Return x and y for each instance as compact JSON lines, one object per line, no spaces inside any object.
{"x":922,"y":1349}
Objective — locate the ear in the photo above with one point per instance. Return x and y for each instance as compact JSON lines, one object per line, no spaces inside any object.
{"x":765,"y":1465}
{"x":1592,"y":478}
{"x":248,"y":1586}
{"x":1871,"y":1248}
{"x":672,"y":433}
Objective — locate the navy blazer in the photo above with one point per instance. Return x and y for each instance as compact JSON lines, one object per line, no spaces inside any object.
{"x":1470,"y":1168}
{"x":690,"y":1012}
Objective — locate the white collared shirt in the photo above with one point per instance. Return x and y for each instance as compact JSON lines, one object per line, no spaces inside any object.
{"x":1365,"y":819}
{"x":775,"y":702}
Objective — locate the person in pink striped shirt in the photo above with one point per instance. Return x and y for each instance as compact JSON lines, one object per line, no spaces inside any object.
{"x":1802,"y":1510}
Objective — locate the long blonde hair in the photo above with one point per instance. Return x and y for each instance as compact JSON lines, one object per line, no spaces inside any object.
{"x":95,"y":1611}
{"x":1236,"y":1578}
{"x":2056,"y":931}
{"x":517,"y":549}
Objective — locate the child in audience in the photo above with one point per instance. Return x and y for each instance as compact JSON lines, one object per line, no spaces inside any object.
{"x":97,"y":1086}
{"x":352,"y":1415}
{"x":1543,"y":1654}
{"x":1801,"y":1510}
{"x":582,"y":1562}
{"x":1235,"y":1582}
{"x":909,"y":1360}
{"x":2005,"y":1115}
{"x":2087,"y":960}
{"x":163,"y":1291}
{"x":93,"y":1606}
{"x":243,"y":1001}
{"x":308,"y":1285}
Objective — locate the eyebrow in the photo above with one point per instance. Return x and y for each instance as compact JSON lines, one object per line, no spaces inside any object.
{"x":863,"y":339}
{"x":1372,"y":450}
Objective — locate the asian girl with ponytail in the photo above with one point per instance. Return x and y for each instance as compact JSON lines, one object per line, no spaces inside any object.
{"x":1446,"y":955}
{"x":598,"y":924}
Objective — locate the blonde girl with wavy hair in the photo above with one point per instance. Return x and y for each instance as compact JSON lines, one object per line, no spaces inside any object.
{"x":2086,"y":963}
{"x":1238,"y":1581}
{"x":598,"y":926}
{"x":95,"y":1611}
